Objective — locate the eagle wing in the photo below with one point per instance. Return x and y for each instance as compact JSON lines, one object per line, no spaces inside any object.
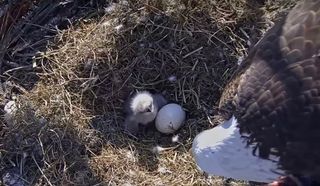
{"x":277,"y":91}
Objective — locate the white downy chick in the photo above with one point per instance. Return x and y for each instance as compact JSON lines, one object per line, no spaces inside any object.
{"x":142,"y":108}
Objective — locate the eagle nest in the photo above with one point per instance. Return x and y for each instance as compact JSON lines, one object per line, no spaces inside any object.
{"x":70,"y":64}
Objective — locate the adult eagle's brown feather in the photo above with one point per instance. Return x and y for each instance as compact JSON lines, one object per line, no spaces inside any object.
{"x":275,"y":95}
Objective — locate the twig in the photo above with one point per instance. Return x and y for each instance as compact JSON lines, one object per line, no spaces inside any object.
{"x":41,"y":170}
{"x":190,"y":53}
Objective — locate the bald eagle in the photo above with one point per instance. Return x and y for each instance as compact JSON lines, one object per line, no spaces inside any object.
{"x":272,"y":126}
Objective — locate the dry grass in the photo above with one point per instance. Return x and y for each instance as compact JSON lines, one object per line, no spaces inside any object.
{"x":67,"y":129}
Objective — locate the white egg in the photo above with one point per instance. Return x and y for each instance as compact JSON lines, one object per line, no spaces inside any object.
{"x":170,"y":118}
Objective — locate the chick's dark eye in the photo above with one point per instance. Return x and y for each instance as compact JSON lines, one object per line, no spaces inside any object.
{"x":149,"y":109}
